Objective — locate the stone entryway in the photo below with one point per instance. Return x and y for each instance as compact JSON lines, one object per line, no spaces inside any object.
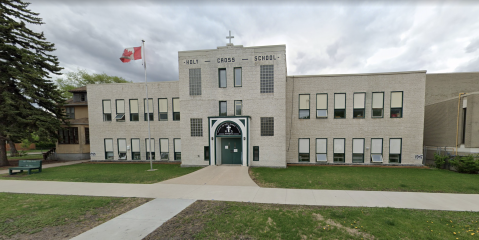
{"x":216,"y":175}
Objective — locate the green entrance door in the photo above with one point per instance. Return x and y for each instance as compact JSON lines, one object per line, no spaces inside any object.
{"x":231,"y":149}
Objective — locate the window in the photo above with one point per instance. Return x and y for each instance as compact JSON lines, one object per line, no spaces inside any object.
{"x":177,"y":148}
{"x":255,"y":153}
{"x":222,"y":77}
{"x":196,"y":127}
{"x":68,"y":135}
{"x":150,"y":147}
{"x":266,"y":79}
{"x":267,"y":126}
{"x":70,"y":112}
{"x":376,"y":150}
{"x":83,"y":97}
{"x":135,"y":149}
{"x":340,"y":105}
{"x":121,"y":148}
{"x":378,"y":105}
{"x":395,"y":150}
{"x":106,"y":110}
{"x":108,"y":149}
{"x":195,"y":81}
{"x":321,"y":149}
{"x":396,"y":104}
{"x":304,"y":106}
{"x":164,"y":152}
{"x":176,"y":109}
{"x":148,"y":106}
{"x":87,"y":135}
{"x":238,"y":80}
{"x":162,"y":109}
{"x":358,"y":150}
{"x":222,"y":108}
{"x":120,"y":110}
{"x":134,"y":110}
{"x":238,"y":107}
{"x":338,"y":146}
{"x":358,"y":105}
{"x":322,"y":105}
{"x":303,"y":149}
{"x":207,"y":153}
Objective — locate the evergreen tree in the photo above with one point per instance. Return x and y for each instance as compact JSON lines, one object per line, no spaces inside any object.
{"x":29,"y":101}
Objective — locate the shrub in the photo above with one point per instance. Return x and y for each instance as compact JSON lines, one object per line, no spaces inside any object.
{"x":466,"y":164}
{"x":440,"y":159}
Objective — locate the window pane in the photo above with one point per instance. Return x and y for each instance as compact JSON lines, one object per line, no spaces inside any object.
{"x":395,"y":146}
{"x":256,"y":153}
{"x":223,"y":109}
{"x":377,"y":146}
{"x":177,"y":145}
{"x":207,"y":153}
{"x":304,"y":157}
{"x":339,"y":113}
{"x":106,"y":106}
{"x":395,"y":158}
{"x":238,"y":77}
{"x":376,"y":158}
{"x":120,"y":106}
{"x":238,"y":108}
{"x":267,"y":126}
{"x":396,"y":100}
{"x":195,"y":81}
{"x":359,"y":100}
{"x":321,"y":144}
{"x":322,"y":101}
{"x":164,"y":145}
{"x":121,"y":145}
{"x":133,"y":106}
{"x":303,"y":145}
{"x":358,"y":158}
{"x":222,"y":78}
{"x":378,"y":100}
{"x":304,"y":102}
{"x":304,"y":114}
{"x":163,"y":105}
{"x":148,"y":145}
{"x":377,"y":112}
{"x":267,"y":79}
{"x":358,"y":113}
{"x":358,"y":146}
{"x":321,"y":157}
{"x":338,"y":145}
{"x":321,"y":113}
{"x":338,"y":157}
{"x":108,"y":145}
{"x":176,"y":105}
{"x":339,"y":101}
{"x":149,"y":108}
{"x":396,"y":112}
{"x":196,"y":125}
{"x":135,"y":145}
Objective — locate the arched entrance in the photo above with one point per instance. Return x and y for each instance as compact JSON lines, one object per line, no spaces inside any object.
{"x":229,"y":140}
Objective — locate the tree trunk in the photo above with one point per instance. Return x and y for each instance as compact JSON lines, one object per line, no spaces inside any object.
{"x":13,"y":149}
{"x":3,"y":152}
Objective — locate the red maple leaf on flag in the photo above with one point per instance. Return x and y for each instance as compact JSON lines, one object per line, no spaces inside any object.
{"x":127,"y":53}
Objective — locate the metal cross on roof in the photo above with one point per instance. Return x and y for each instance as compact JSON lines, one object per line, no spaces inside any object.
{"x":230,"y":37}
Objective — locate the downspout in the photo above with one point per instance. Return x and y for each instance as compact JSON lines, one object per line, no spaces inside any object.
{"x":457,"y":125}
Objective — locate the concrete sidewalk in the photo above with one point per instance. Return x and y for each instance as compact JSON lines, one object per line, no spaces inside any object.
{"x":50,"y":165}
{"x":413,"y":200}
{"x":216,"y":175}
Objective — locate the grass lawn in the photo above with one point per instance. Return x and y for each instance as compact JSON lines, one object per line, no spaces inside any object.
{"x":107,"y":173}
{"x":233,"y":220}
{"x":367,"y":178}
{"x":27,"y":157}
{"x":35,"y":216}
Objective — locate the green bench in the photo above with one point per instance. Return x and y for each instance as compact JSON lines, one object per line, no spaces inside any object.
{"x":27,"y":165}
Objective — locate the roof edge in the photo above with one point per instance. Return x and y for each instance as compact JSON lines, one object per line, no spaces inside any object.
{"x":357,"y":74}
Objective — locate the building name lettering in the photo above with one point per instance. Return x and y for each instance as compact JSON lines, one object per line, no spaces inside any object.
{"x":264,"y":58}
{"x":192,"y":61}
{"x":224,"y":60}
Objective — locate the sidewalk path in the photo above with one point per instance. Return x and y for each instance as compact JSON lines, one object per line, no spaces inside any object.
{"x":139,"y":222}
{"x":216,"y":175}
{"x":413,"y":200}
{"x":50,"y":165}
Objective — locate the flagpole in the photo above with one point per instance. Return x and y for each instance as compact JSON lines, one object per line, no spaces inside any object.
{"x":147,"y":104}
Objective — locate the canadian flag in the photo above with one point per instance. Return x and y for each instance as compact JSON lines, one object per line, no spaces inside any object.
{"x":133,"y":53}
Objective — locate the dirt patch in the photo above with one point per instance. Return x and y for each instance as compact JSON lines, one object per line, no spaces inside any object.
{"x":350,"y":231}
{"x":85,"y":223}
{"x":253,"y":177}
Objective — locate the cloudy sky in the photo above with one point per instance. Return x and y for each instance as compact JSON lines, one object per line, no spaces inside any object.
{"x":321,"y":38}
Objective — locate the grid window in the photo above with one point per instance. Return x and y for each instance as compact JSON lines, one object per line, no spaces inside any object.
{"x":106,"y":110}
{"x":338,"y":147}
{"x":196,"y":127}
{"x":176,"y":109}
{"x":321,"y":149}
{"x":358,"y":105}
{"x":222,"y":77}
{"x":68,"y":135}
{"x":238,"y":107}
{"x":266,"y":79}
{"x":108,"y":148}
{"x":376,"y":150}
{"x":87,"y":135}
{"x":150,"y":147}
{"x":135,"y":149}
{"x":162,"y":109}
{"x":395,"y":150}
{"x":207,"y":153}
{"x":304,"y":106}
{"x":358,"y":150}
{"x":148,"y":106}
{"x":378,"y":105}
{"x":164,"y":153}
{"x":396,"y":104}
{"x":195,"y":81}
{"x":177,"y":148}
{"x":322,"y":105}
{"x":340,"y":105}
{"x":121,"y":148}
{"x":255,"y":153}
{"x":267,"y":126}
{"x":70,"y":112}
{"x":223,"y":109}
{"x":120,"y":110}
{"x":134,"y":113}
{"x":238,"y":77}
{"x":303,"y":149}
